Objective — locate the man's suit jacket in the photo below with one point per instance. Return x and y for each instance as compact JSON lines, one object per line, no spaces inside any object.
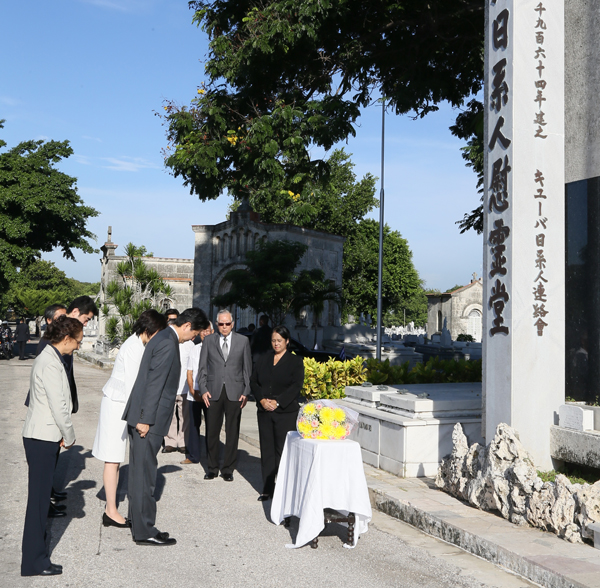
{"x":152,"y":398}
{"x":214,"y":371}
{"x":49,"y":413}
{"x":22,"y":332}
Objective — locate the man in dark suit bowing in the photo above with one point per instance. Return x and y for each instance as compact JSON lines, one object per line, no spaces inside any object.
{"x":224,"y":378}
{"x":148,"y":414}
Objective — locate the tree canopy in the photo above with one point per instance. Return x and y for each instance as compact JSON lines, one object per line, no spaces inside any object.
{"x":402,"y":287}
{"x":40,"y":284}
{"x":286,"y":75}
{"x":40,"y":209}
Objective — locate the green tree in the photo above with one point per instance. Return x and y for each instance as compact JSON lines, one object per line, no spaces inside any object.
{"x":267,"y":284}
{"x":42,"y":281}
{"x":138,"y":288}
{"x":286,"y":75}
{"x":40,"y":209}
{"x":402,"y":287}
{"x":313,"y":291}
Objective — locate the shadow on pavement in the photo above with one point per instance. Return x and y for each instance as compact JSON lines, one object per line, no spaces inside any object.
{"x":248,"y":467}
{"x":161,"y":479}
{"x":69,"y":467}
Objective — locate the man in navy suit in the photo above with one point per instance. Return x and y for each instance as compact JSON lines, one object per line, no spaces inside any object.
{"x":148,"y":413}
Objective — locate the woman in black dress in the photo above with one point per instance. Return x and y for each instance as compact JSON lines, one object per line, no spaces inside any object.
{"x":276,"y":383}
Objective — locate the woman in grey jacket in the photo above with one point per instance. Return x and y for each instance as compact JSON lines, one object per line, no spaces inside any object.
{"x":47,"y":428}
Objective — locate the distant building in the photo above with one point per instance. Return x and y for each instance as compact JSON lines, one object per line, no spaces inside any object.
{"x":221,"y":248}
{"x":177,"y":273}
{"x":461,"y":310}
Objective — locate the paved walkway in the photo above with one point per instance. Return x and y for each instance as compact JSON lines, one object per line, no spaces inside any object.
{"x":224,"y":535}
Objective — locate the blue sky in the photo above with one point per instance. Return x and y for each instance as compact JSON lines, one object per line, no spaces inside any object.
{"x":94,"y":72}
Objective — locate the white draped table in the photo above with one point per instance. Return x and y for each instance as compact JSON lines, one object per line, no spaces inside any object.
{"x":315,"y":475}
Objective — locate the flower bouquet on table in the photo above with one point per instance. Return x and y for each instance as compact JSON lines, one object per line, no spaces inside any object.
{"x":323,"y":419}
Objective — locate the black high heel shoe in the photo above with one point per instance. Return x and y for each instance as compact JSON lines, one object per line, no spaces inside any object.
{"x":263,"y":497}
{"x":108,"y":522}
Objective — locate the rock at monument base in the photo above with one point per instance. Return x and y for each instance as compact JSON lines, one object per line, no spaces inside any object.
{"x":502,"y":477}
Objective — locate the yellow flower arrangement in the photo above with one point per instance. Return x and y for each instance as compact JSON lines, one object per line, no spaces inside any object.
{"x":322,"y":419}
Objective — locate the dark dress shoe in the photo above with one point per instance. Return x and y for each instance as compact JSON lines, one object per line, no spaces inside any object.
{"x":263,"y":497}
{"x":53,"y":570}
{"x":58,"y":506}
{"x":168,"y":449}
{"x":210,"y":476}
{"x":108,"y":522}
{"x":181,"y":449}
{"x":58,"y":496}
{"x":160,"y":539}
{"x":228,"y":477}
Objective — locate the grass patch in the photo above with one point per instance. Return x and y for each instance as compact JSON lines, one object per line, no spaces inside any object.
{"x":577,"y":474}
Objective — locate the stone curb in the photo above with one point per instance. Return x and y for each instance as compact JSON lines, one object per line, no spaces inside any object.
{"x":437,"y":527}
{"x":90,"y":358}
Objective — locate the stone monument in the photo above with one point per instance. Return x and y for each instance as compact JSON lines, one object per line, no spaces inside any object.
{"x":524,"y":220}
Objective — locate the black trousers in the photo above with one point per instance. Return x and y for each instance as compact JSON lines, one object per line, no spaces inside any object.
{"x":21,"y":345}
{"x":41,"y":459}
{"x":232,"y":409}
{"x":273,"y":428}
{"x":192,"y":411}
{"x":141,"y":483}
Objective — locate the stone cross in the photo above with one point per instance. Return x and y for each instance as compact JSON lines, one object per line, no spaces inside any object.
{"x":474,"y":276}
{"x":109,"y":235}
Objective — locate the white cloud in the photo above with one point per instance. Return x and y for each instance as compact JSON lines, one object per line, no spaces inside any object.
{"x":42,"y":138}
{"x":8,"y":101}
{"x":91,"y":138}
{"x":120,"y":5}
{"x":82,"y":159}
{"x":130,"y":164}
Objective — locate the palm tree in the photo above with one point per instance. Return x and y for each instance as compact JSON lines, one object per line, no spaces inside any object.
{"x":312,"y":291}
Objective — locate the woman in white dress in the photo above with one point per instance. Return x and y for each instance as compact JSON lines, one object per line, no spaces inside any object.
{"x":111,"y":436}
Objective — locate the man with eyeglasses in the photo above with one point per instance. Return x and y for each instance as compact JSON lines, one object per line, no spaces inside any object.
{"x":224,"y":379}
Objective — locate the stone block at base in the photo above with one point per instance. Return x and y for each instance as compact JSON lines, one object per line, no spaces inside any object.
{"x":582,"y":447}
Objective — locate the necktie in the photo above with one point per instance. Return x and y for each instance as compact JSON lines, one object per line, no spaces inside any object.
{"x":225,"y":349}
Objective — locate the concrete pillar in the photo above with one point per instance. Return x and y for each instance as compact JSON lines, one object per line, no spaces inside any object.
{"x":524,"y":243}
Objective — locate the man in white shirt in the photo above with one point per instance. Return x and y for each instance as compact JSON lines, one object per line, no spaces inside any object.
{"x":193,"y":405}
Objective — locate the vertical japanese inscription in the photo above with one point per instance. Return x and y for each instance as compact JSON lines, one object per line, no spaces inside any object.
{"x":500,"y":168}
{"x":540,"y":282}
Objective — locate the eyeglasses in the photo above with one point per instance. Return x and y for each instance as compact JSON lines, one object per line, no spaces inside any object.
{"x":224,"y":324}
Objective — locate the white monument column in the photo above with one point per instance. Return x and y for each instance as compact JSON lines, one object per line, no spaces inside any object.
{"x":524,"y":244}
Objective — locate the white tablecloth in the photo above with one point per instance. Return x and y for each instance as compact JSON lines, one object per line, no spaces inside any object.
{"x":314,"y":475}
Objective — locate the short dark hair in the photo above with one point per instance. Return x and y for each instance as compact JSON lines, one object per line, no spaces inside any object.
{"x":251,"y":327}
{"x":282,"y":331}
{"x":84,"y":304}
{"x":149,"y":322}
{"x":51,"y":311}
{"x":171,"y":311}
{"x":196,"y":316}
{"x":63,"y":327}
{"x":263,"y":320}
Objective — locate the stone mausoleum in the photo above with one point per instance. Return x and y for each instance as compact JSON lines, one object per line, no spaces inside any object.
{"x":460,"y":311}
{"x":221,"y":248}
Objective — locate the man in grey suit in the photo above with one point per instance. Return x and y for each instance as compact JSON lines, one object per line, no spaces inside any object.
{"x":148,"y":414}
{"x":224,"y":378}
